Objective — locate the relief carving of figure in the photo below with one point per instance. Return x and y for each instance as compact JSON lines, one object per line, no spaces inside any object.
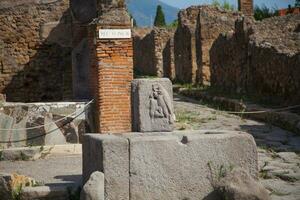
{"x":160,"y":104}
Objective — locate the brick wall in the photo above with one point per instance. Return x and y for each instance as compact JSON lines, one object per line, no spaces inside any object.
{"x":112,"y":73}
{"x":246,"y":7}
{"x":35,"y":50}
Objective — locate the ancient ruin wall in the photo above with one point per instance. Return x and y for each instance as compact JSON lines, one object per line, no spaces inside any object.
{"x":261,"y":59}
{"x":35,"y":50}
{"x":199,"y":27}
{"x":211,"y":22}
{"x":246,"y":7}
{"x":144,"y":52}
{"x":153,"y":52}
{"x":184,"y":45}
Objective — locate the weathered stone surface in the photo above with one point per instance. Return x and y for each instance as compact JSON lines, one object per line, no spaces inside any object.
{"x":83,"y":10}
{"x":108,"y":154}
{"x":5,"y":191}
{"x":30,"y":55}
{"x":54,"y":135}
{"x":94,"y":188}
{"x":51,"y":32}
{"x":13,"y":3}
{"x":154,"y":52}
{"x":176,"y":166}
{"x":116,"y":16}
{"x":239,"y":185}
{"x":260,"y":59}
{"x":45,"y":192}
{"x":6,"y":123}
{"x":152,"y":105}
{"x":60,"y":127}
{"x":80,"y":65}
{"x":199,"y":26}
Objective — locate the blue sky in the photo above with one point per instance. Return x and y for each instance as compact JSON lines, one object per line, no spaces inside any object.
{"x":269,"y":3}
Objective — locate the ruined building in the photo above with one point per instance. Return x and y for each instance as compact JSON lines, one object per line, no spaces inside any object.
{"x":260,"y":58}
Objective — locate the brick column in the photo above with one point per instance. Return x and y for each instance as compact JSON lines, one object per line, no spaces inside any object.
{"x":246,"y":7}
{"x":112,"y":73}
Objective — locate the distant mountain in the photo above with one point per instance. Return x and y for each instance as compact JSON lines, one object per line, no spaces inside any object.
{"x":144,"y":11}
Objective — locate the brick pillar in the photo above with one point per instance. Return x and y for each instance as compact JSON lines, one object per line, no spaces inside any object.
{"x":246,"y":7}
{"x":111,"y":73}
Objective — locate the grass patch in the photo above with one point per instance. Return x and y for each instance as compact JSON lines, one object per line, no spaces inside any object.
{"x":193,"y":118}
{"x":16,"y":192}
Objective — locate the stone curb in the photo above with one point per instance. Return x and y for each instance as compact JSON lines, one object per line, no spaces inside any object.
{"x":46,"y":192}
{"x":286,"y":120}
{"x":37,"y":152}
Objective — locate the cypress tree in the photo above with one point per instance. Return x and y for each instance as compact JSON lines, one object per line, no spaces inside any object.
{"x":160,"y":17}
{"x":297,"y":3}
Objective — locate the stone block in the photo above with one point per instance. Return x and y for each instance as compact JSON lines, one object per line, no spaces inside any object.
{"x":94,"y":188}
{"x":152,"y":104}
{"x":183,"y":165}
{"x":177,"y":165}
{"x":108,"y":154}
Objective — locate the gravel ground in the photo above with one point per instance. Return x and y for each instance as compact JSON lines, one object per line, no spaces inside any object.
{"x":279,"y":159}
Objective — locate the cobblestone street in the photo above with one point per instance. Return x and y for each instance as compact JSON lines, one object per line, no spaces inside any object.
{"x":278,"y":150}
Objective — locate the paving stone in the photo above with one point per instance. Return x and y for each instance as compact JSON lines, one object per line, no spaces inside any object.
{"x":280,"y":187}
{"x":289,"y":156}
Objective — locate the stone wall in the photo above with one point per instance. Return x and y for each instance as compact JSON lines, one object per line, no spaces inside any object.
{"x":153,"y":52}
{"x":61,"y":128}
{"x":198,"y":27}
{"x":35,"y":50}
{"x":211,"y":22}
{"x":261,"y":59}
{"x":144,"y":50}
{"x":246,"y":7}
{"x":185,"y":45}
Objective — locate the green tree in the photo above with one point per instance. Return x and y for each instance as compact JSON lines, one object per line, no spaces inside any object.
{"x":133,"y":21}
{"x":297,"y":3}
{"x":263,"y":12}
{"x":226,"y":5}
{"x":160,"y":17}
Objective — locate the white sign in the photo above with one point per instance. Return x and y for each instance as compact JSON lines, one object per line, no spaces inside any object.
{"x":114,"y":33}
